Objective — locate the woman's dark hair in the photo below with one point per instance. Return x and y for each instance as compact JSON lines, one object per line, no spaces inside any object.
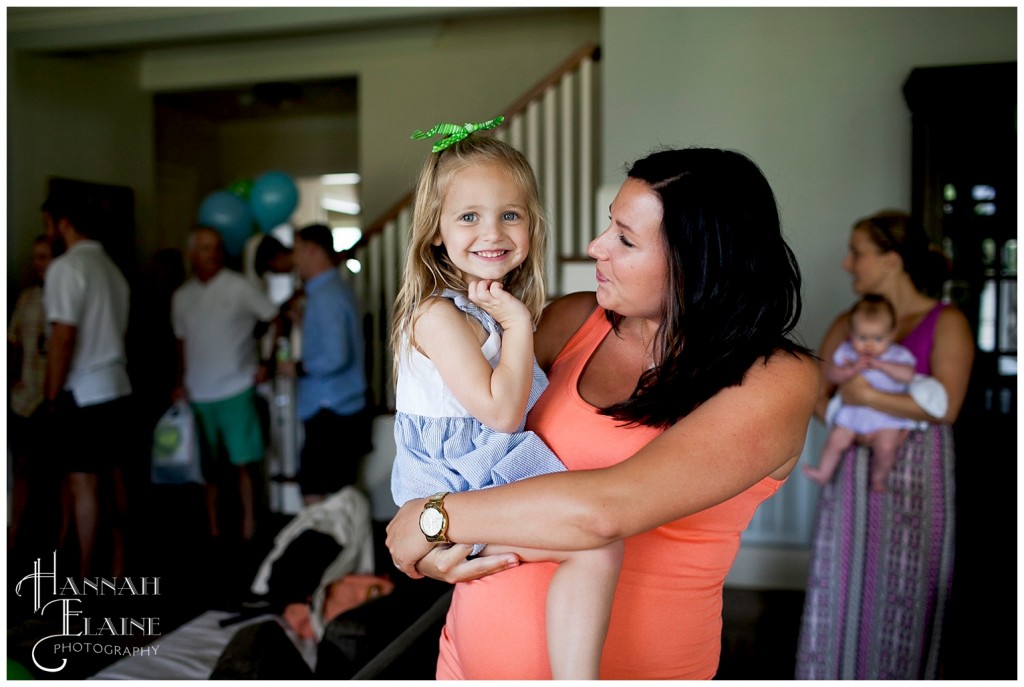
{"x":895,"y":230}
{"x":733,"y":293}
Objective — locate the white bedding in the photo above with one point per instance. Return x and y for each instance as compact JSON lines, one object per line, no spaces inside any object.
{"x":190,"y":652}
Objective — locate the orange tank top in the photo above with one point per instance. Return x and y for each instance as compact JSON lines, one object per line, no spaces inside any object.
{"x":666,"y":618}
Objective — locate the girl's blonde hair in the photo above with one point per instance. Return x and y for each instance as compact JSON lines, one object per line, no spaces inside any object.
{"x":428,"y":268}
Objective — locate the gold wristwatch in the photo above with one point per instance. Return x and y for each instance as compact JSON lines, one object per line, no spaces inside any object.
{"x":434,"y":519}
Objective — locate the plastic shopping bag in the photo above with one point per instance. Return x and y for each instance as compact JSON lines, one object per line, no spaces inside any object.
{"x":176,"y":447}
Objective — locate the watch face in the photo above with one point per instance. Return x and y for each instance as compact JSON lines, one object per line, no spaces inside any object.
{"x":431,"y":522}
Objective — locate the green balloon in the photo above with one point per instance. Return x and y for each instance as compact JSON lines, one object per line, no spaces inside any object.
{"x":241,"y":188}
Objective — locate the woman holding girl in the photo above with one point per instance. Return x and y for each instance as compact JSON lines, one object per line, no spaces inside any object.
{"x":678,"y":401}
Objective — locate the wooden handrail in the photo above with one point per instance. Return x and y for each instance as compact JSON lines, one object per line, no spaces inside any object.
{"x":590,"y":50}
{"x":520,"y":105}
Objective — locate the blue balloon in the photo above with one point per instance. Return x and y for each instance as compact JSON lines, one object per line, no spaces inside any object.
{"x":273,"y":199}
{"x":230,"y":216}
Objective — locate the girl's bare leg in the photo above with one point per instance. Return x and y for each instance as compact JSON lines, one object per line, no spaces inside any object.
{"x":579,"y":605}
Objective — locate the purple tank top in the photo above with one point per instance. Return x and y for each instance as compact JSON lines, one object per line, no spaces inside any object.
{"x":921,"y":339}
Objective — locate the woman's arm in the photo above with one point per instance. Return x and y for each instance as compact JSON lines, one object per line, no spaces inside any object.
{"x":952,"y":358}
{"x":738,"y":437}
{"x":837,"y":333}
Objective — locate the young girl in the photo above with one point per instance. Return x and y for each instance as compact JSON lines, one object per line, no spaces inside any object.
{"x":462,"y":336}
{"x":888,"y":367}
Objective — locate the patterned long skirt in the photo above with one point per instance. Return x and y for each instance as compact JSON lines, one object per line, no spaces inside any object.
{"x":882,"y":567}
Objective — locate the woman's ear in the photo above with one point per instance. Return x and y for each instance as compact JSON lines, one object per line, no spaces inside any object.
{"x":893,"y":260}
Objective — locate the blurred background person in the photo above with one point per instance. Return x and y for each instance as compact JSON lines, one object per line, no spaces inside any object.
{"x":87,"y":389}
{"x":218,"y":317}
{"x":882,"y":562}
{"x":332,"y":388}
{"x":26,"y":373}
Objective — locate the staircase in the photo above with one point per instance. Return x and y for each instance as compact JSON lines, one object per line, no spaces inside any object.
{"x":553,"y":125}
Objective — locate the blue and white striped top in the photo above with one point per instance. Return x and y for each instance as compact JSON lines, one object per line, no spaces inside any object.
{"x":440,"y":446}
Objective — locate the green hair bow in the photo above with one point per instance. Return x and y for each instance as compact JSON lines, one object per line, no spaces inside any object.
{"x":454,"y":132}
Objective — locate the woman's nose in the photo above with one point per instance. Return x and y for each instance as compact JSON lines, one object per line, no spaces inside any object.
{"x":847,"y":263}
{"x":595,"y":248}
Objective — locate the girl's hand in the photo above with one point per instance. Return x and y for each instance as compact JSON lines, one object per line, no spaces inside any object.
{"x":508,"y":310}
{"x":449,"y":564}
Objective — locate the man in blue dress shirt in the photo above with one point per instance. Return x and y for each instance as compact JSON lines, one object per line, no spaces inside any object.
{"x":332,"y":389}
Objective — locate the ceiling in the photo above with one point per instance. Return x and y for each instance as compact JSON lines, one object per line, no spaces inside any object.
{"x":88,"y":30}
{"x":93,"y":31}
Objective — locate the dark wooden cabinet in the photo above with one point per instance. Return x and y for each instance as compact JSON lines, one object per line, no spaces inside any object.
{"x":965,"y":194}
{"x":964,"y":183}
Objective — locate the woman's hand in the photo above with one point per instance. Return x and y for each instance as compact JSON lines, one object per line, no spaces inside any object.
{"x":449,"y":564}
{"x":405,"y":541}
{"x":857,"y":391}
{"x":416,"y":557}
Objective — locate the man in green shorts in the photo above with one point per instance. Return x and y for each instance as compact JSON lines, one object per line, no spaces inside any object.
{"x":218,"y":317}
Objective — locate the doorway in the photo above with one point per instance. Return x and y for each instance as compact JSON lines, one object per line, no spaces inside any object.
{"x":207,"y":140}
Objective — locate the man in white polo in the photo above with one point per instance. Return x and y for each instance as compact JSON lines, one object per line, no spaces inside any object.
{"x":218,"y":317}
{"x":87,"y":387}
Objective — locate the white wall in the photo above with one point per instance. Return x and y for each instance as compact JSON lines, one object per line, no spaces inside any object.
{"x":81,"y":119}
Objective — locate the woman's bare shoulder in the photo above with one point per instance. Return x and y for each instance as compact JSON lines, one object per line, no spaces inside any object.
{"x":561,"y":319}
{"x":952,"y":317}
{"x":787,"y":380}
{"x":803,"y":368}
{"x":576,"y":305}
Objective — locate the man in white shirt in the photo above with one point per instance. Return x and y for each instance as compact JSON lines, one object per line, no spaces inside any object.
{"x":218,"y":316}
{"x":87,"y":388}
